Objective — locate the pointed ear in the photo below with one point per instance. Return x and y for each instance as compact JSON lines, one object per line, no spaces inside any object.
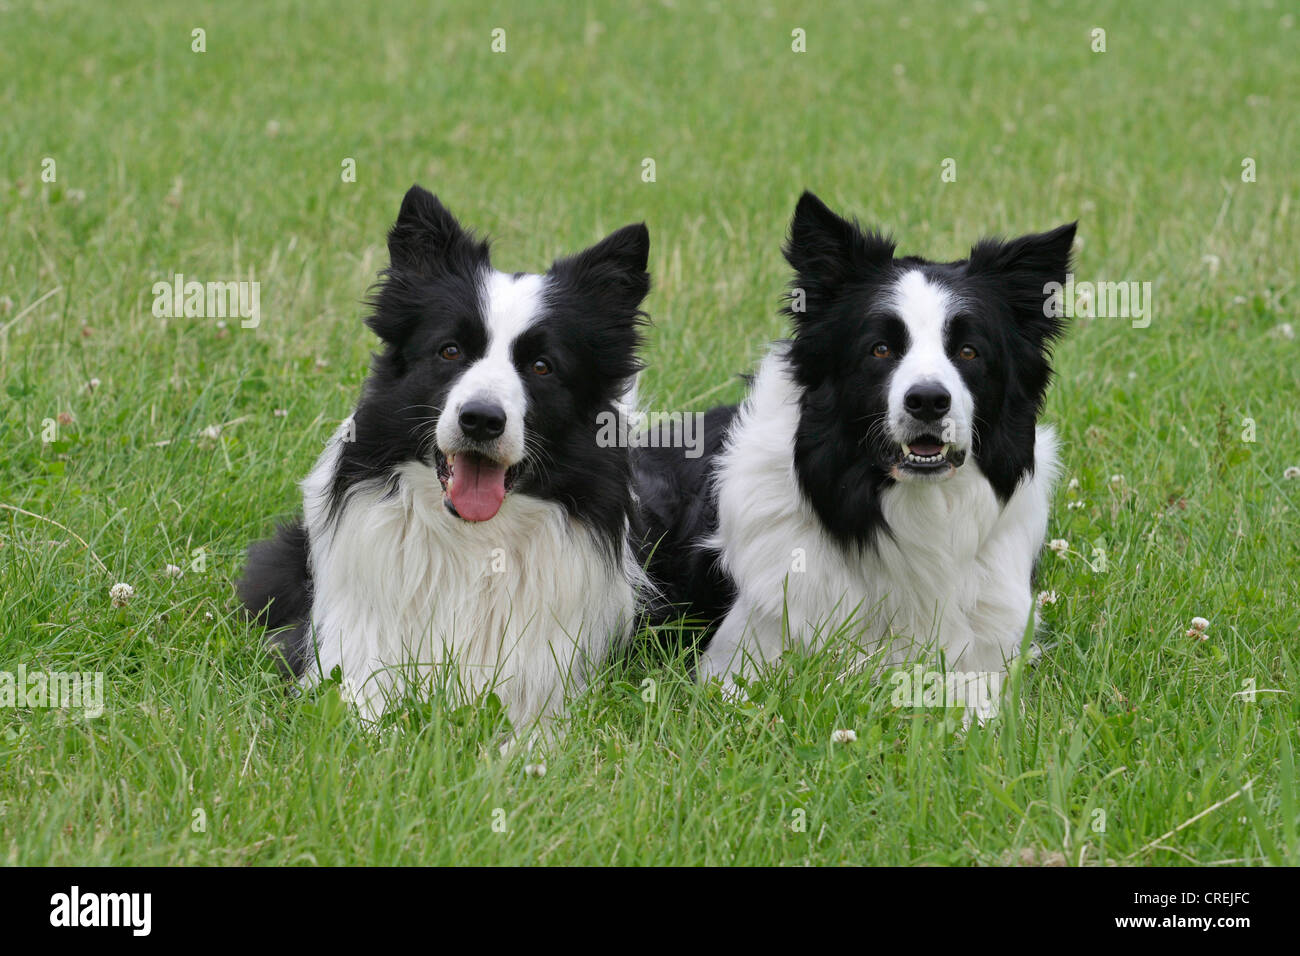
{"x":426,"y":235}
{"x":1021,"y":271}
{"x":826,"y":249}
{"x":426,"y":242}
{"x":602,"y":289}
{"x":614,"y":268}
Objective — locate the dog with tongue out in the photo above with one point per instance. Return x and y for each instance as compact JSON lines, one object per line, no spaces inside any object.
{"x":467,"y":526}
{"x":475,"y":487}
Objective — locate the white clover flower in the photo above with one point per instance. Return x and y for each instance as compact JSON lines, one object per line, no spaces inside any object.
{"x":172,"y":571}
{"x":1076,"y":505}
{"x":272,"y":128}
{"x":1045,"y":598}
{"x":1073,"y":485}
{"x":1059,"y":545}
{"x":92,"y":385}
{"x":535,"y":769}
{"x":281,"y":413}
{"x":1292,"y":472}
{"x":1286,"y":331}
{"x":212,"y":431}
{"x":120,"y":594}
{"x":1211,"y":262}
{"x":843,"y":737}
{"x":1116,"y":480}
{"x":1200,"y":625}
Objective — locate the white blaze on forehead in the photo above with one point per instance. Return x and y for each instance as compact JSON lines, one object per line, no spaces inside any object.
{"x":924,"y":307}
{"x":510,"y":305}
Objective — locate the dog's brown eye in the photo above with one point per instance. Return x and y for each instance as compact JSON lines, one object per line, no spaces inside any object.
{"x":881,"y":350}
{"x":968,"y":352}
{"x":542,"y":367}
{"x":450,"y":351}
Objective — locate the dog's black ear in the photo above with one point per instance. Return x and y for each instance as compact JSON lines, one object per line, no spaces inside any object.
{"x":425,"y":242}
{"x":614,"y":270}
{"x":1027,"y":272}
{"x":426,"y":235}
{"x":826,"y":249}
{"x":603,"y":287}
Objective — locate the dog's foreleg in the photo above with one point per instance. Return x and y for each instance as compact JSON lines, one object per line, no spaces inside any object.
{"x":744,"y":642}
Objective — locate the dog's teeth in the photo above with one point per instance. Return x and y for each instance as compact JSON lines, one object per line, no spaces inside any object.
{"x":907,"y":449}
{"x":924,"y":459}
{"x":946,"y":448}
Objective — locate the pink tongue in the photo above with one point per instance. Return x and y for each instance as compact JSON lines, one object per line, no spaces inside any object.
{"x":477,"y":488}
{"x":925,"y":451}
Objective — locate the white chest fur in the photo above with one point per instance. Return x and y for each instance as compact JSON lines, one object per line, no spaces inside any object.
{"x":954,"y":575}
{"x":407,"y":596}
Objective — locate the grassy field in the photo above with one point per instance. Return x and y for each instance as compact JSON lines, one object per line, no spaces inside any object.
{"x":1131,"y":742}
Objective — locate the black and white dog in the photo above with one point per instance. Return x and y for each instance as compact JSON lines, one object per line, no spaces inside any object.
{"x":466,"y":515}
{"x":886,"y":474}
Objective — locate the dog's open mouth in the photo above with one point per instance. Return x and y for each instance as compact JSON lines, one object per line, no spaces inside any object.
{"x":474,"y":486}
{"x":927,"y":457}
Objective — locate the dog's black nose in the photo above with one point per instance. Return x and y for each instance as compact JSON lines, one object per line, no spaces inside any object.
{"x":482,"y":421}
{"x":927,"y":402}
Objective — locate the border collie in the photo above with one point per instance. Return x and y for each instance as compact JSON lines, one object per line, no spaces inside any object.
{"x":886,"y":477}
{"x":465,"y":522}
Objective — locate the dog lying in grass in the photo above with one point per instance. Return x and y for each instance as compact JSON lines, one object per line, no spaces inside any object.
{"x":464,"y":527}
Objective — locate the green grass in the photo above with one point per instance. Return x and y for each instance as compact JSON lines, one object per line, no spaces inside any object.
{"x":168,"y":161}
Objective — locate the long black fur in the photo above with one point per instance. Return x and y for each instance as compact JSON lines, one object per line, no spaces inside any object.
{"x":276,"y":590}
{"x":676,"y":503}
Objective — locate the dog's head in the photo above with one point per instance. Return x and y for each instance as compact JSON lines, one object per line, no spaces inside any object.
{"x":914,"y":366}
{"x":497,"y":379}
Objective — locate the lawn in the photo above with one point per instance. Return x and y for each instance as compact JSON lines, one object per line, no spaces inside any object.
{"x":130,"y":442}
